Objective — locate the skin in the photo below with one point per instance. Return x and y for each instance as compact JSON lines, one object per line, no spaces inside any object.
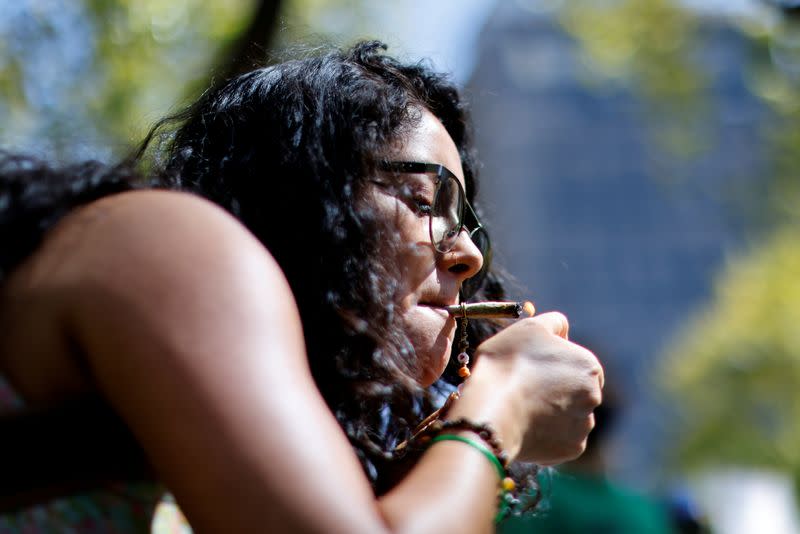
{"x":184,"y":322}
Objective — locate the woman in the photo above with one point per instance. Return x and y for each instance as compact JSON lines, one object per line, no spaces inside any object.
{"x":252,"y":349}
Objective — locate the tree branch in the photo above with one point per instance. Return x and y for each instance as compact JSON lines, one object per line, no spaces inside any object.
{"x":251,"y":48}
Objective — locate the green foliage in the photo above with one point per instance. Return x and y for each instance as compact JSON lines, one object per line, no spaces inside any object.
{"x":734,"y":371}
{"x":136,"y":60}
{"x":153,"y":53}
{"x":647,"y":45}
{"x":777,"y":82}
{"x":736,"y":368}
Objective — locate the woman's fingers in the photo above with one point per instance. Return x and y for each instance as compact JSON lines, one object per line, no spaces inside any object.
{"x":554,"y":322}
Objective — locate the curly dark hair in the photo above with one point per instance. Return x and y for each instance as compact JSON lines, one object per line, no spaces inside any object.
{"x":35,"y":195}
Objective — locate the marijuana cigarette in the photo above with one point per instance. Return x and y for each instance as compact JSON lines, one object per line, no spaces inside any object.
{"x":490,"y":310}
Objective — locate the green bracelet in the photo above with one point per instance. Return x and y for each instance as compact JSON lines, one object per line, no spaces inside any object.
{"x":501,"y":472}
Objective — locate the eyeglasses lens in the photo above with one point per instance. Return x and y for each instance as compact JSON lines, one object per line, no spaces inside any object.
{"x":446,"y":214}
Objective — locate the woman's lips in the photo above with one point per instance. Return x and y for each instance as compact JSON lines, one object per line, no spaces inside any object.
{"x":439,"y":310}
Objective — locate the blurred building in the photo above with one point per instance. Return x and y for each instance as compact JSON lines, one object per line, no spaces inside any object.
{"x":593,"y":216}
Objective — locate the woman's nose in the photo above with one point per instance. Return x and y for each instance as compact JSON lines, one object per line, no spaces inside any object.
{"x":464,"y":259}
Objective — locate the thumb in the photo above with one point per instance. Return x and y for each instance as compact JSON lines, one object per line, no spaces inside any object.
{"x":555,"y":322}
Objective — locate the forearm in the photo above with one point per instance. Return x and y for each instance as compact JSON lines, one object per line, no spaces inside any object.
{"x":453,"y":488}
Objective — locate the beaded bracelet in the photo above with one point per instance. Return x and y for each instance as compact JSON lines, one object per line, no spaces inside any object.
{"x":433,"y":427}
{"x":483,"y":430}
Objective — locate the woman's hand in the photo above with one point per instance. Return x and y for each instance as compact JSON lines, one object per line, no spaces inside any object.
{"x":537,"y":388}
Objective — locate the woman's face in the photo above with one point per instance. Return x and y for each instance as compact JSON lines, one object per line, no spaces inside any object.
{"x":428,"y":279}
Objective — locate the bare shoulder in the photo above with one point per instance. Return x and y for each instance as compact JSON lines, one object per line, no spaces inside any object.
{"x":156,"y":265}
{"x":160,"y":227}
{"x":192,"y":334}
{"x":149,"y":242}
{"x":169,"y":263}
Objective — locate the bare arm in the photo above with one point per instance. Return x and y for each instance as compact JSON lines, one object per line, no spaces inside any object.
{"x":190,"y":330}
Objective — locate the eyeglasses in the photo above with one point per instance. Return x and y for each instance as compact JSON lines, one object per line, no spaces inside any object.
{"x":448,"y":214}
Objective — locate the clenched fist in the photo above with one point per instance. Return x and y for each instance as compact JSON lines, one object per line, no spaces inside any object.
{"x":536,"y":388}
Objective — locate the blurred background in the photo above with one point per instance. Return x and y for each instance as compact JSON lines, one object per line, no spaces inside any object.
{"x":641,"y":174}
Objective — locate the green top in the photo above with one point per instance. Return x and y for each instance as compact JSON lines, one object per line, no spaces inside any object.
{"x":590,"y":504}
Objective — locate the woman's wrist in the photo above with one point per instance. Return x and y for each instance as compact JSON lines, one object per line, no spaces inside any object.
{"x":489,"y":396}
{"x":487,"y":445}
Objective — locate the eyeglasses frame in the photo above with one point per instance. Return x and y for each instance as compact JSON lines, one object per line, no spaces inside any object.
{"x":443,"y":173}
